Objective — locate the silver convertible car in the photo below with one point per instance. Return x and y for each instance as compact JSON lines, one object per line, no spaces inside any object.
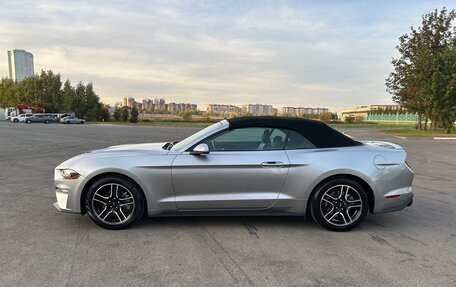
{"x":240,"y":166}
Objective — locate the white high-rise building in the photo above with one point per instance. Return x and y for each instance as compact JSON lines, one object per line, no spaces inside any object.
{"x":20,"y":64}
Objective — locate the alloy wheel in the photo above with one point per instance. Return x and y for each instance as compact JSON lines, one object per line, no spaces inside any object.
{"x":113,"y":204}
{"x":341,"y":205}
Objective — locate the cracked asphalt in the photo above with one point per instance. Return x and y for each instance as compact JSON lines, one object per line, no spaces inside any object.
{"x":41,"y":247}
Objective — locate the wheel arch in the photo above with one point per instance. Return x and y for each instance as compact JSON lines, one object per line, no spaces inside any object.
{"x":105,"y":174}
{"x":359,"y":180}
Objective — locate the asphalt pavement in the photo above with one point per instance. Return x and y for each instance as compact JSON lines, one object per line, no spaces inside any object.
{"x":40,"y":246}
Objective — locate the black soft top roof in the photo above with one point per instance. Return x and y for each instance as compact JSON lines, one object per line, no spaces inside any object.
{"x":317,"y":132}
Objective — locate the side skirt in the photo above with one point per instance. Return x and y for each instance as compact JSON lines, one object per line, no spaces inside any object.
{"x":227,"y":213}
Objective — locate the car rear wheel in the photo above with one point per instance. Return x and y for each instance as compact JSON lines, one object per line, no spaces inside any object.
{"x":339,"y":204}
{"x":16,"y":120}
{"x":81,"y":122}
{"x":46,"y":121}
{"x":28,"y":121}
{"x":68,"y":122}
{"x":114,"y":202}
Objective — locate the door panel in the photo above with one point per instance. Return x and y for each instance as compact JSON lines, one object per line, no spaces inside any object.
{"x":229,"y":180}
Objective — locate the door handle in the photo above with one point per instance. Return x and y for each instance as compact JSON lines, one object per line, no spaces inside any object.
{"x":272,"y":164}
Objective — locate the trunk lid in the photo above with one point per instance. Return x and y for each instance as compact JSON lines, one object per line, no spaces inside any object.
{"x":383,"y":144}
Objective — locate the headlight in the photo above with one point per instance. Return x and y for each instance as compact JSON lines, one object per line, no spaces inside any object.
{"x":69,"y":174}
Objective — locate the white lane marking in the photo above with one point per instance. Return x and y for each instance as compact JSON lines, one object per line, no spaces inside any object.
{"x":445,"y":138}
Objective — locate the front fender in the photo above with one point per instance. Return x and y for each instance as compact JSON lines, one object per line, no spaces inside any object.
{"x":111,"y":171}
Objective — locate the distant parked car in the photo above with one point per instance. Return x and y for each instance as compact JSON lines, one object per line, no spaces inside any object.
{"x":61,"y":116}
{"x":20,"y":118}
{"x":47,"y":119}
{"x":55,"y":116}
{"x":72,"y":120}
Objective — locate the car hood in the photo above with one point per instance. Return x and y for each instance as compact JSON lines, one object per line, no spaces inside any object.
{"x":144,"y":147}
{"x":116,"y":151}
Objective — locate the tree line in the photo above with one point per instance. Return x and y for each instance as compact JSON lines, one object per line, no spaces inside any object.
{"x":47,"y":91}
{"x":124,"y":114}
{"x":424,"y":75}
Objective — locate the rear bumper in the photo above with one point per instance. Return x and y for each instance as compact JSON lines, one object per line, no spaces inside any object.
{"x":396,"y":204}
{"x":394,"y":191}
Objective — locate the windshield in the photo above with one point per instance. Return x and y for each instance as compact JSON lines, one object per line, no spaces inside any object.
{"x":197,"y":135}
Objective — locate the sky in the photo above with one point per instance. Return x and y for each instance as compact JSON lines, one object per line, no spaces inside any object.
{"x":332,"y":54}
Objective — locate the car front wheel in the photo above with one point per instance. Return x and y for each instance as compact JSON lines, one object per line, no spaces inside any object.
{"x":114,"y":202}
{"x":16,"y":120}
{"x":28,"y":121}
{"x":339,"y":204}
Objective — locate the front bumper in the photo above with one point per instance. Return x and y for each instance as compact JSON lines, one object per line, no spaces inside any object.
{"x":68,"y":193}
{"x":56,"y":205}
{"x":62,"y":203}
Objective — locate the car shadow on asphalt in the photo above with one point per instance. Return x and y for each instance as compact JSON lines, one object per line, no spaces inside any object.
{"x":229,"y":221}
{"x":252,"y":223}
{"x":371,"y":223}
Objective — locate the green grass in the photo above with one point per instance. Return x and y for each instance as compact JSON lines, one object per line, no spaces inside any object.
{"x":181,"y":123}
{"x":157,"y":123}
{"x":412,"y":132}
{"x":378,"y":125}
{"x":387,"y":128}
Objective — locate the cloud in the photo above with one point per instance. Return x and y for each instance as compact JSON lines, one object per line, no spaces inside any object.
{"x":333,"y":54}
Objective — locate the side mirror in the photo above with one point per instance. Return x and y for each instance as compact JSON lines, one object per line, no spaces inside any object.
{"x":200,"y":149}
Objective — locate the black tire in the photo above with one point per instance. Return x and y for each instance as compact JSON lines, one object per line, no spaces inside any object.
{"x":68,"y":122}
{"x":28,"y":121}
{"x":341,"y":214}
{"x":81,"y":122}
{"x":115,"y":210}
{"x":46,"y":121}
{"x":15,"y":121}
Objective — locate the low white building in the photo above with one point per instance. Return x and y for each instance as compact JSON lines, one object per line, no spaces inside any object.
{"x":258,"y":109}
{"x":297,"y":111}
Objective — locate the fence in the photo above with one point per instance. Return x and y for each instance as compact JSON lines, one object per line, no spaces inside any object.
{"x":407,"y":117}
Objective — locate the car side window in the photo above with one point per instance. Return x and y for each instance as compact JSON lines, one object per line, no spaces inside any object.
{"x":248,"y":139}
{"x":297,"y":141}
